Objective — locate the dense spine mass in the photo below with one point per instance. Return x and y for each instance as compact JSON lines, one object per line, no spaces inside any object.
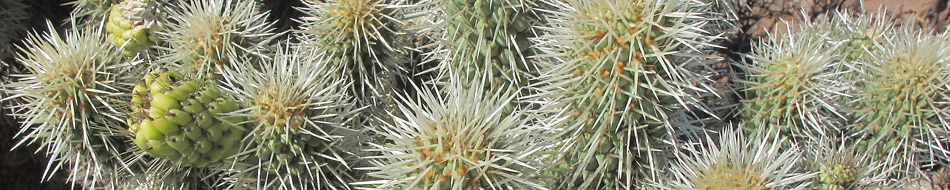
{"x":793,"y":84}
{"x":625,"y":75}
{"x":736,"y":162}
{"x":903,"y":109}
{"x":301,"y":138}
{"x":69,"y":96}
{"x":210,"y":35}
{"x":460,"y":140}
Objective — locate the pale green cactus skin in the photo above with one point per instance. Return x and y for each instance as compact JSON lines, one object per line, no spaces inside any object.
{"x":132,"y":24}
{"x":179,"y":119}
{"x":903,"y":107}
{"x":472,"y":40}
{"x":492,"y":37}
{"x":302,"y":119}
{"x":791,"y":84}
{"x":617,"y":69}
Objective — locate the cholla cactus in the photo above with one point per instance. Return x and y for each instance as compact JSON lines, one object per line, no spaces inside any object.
{"x":840,"y":166}
{"x":71,"y":93}
{"x":903,"y":97}
{"x":132,"y":24}
{"x":460,"y":140}
{"x":297,"y":104}
{"x":208,"y":34}
{"x":358,"y":35}
{"x":737,"y":163}
{"x":623,"y":71}
{"x":793,"y":83}
{"x":480,"y":38}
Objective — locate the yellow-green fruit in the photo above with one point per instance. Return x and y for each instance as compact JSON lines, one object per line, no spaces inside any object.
{"x":835,"y":177}
{"x":133,"y":23}
{"x":178,"y":119}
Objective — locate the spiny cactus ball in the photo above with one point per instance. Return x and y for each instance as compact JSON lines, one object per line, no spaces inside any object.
{"x":626,"y":74}
{"x":461,"y":140}
{"x":69,"y":98}
{"x":355,"y":33}
{"x":903,"y":96}
{"x":212,"y":33}
{"x":737,"y":162}
{"x":178,"y":119}
{"x":132,"y":24}
{"x":860,"y":33}
{"x":299,"y":108}
{"x":792,"y":83}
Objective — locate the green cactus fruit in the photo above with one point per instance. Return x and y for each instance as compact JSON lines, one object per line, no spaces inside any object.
{"x":620,"y":69}
{"x":904,"y":93}
{"x":163,"y":129}
{"x":67,"y":98}
{"x":132,"y":24}
{"x":210,"y":34}
{"x":789,"y":87}
{"x":736,"y":162}
{"x":458,"y":141}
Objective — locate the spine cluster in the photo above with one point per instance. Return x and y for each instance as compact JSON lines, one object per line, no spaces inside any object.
{"x":474,"y":94}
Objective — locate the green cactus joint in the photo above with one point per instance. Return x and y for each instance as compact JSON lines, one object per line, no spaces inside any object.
{"x":358,"y":35}
{"x":178,"y":119}
{"x":623,"y":87}
{"x":132,"y":24}
{"x":283,"y":140}
{"x":490,"y":36}
{"x":905,"y":95}
{"x":459,"y":141}
{"x":787,"y":87}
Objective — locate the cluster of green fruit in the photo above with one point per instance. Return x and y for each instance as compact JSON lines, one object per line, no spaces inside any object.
{"x":132,"y":23}
{"x":178,"y":119}
{"x":836,"y":177}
